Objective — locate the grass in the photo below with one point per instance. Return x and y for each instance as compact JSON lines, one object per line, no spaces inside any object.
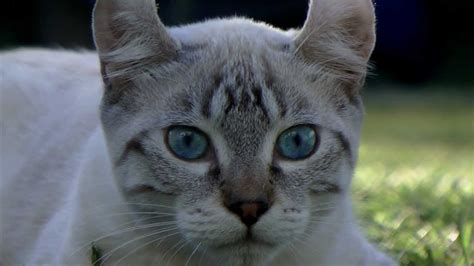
{"x":414,"y":186}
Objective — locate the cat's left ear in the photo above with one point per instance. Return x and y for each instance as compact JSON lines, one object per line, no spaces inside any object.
{"x":340,"y":35}
{"x":129,"y":35}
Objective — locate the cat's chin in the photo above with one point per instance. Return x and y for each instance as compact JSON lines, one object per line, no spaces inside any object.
{"x":248,"y":251}
{"x":249,"y":242}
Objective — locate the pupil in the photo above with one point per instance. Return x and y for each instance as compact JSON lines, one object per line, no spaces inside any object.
{"x":297,"y":140}
{"x":188,"y":139}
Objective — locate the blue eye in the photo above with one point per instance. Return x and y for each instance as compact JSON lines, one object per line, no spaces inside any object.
{"x":297,"y":143}
{"x":187,"y":143}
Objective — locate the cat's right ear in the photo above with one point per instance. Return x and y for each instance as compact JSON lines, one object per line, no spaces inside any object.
{"x":129,"y":36}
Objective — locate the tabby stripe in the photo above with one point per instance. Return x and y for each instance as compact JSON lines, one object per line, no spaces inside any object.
{"x":134,"y":145}
{"x":346,"y":147}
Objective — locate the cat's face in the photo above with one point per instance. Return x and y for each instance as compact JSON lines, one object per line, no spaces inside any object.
{"x":244,"y":134}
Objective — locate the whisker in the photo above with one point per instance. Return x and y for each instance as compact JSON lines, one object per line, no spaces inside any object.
{"x":177,"y":251}
{"x":323,"y":206}
{"x":134,"y":204}
{"x":160,"y":239}
{"x":331,"y":222}
{"x":322,"y":209}
{"x":131,"y":213}
{"x":295,"y":256}
{"x":109,"y":254}
{"x":314,"y":231}
{"x":172,"y":248}
{"x":323,"y":203}
{"x":138,"y":221}
{"x":192,"y":254}
{"x":304,"y":240}
{"x":202,"y":255}
{"x":122,"y":231}
{"x":159,"y":214}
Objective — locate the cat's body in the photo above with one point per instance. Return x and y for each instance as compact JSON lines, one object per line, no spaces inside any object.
{"x":73,"y":183}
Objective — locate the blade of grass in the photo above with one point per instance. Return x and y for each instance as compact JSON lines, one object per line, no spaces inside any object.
{"x":465,"y":240}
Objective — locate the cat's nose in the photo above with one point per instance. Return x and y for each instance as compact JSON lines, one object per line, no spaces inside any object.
{"x":249,"y":212}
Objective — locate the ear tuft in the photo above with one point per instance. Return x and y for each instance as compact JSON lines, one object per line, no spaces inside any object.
{"x":129,"y":35}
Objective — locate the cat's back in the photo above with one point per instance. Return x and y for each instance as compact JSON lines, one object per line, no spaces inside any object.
{"x":39,"y":84}
{"x":48,"y":98}
{"x":48,"y":105}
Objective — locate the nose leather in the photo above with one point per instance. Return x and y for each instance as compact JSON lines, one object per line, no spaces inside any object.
{"x":249,"y":212}
{"x":249,"y":209}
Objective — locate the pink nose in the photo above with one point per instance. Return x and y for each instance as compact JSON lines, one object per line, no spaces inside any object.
{"x":249,"y":212}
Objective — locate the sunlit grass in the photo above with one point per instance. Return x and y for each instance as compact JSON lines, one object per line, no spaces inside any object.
{"x":414,"y":186}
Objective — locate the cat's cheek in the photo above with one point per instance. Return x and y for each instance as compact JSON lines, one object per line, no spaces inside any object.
{"x":282,"y":225}
{"x":166,"y":187}
{"x":209,"y":224}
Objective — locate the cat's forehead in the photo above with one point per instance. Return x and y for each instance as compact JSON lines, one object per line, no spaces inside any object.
{"x":232,"y":35}
{"x":240,"y":67}
{"x":251,"y":82}
{"x":241,"y":82}
{"x":233,"y":68}
{"x":242,"y":102}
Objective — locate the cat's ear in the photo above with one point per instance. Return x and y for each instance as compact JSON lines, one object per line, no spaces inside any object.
{"x":340,"y":35}
{"x":129,"y":34}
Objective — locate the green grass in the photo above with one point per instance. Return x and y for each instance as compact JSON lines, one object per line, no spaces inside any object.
{"x":414,"y":185}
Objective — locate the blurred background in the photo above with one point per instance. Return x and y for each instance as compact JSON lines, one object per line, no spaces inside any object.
{"x":418,"y":40}
{"x":414,"y":186}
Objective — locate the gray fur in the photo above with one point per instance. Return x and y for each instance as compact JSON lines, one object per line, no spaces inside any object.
{"x":240,"y":82}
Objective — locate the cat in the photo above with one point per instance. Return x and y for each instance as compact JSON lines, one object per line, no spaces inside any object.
{"x":225,"y":142}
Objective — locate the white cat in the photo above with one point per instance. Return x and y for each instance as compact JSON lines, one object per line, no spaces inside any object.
{"x":226,"y":142}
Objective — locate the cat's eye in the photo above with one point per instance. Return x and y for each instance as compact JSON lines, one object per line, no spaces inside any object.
{"x":187,"y":143}
{"x":297,"y":143}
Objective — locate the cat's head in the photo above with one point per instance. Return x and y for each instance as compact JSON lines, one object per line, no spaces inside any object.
{"x":246,"y":130}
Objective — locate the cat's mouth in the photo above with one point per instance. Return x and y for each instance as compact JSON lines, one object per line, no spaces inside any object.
{"x":250,"y":240}
{"x":249,"y":250}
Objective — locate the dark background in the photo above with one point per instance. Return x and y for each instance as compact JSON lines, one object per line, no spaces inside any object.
{"x":419,"y":41}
